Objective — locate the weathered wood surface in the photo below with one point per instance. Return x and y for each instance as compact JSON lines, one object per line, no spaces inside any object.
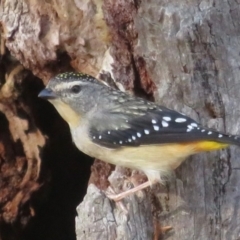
{"x":98,"y":218}
{"x":185,"y":55}
{"x":192,"y":54}
{"x":191,"y":51}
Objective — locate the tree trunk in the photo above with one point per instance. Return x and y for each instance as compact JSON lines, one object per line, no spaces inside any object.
{"x":182,"y":54}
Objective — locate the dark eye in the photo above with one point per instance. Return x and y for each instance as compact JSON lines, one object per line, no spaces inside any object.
{"x":75,"y":89}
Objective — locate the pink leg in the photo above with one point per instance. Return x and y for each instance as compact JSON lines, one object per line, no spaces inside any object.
{"x":120,"y":196}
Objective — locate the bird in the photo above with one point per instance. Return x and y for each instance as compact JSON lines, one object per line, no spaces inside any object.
{"x":126,"y":130}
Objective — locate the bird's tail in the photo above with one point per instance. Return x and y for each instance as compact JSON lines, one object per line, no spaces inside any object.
{"x":214,"y":140}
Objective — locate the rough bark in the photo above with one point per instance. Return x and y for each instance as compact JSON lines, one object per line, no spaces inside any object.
{"x":190,"y":52}
{"x":195,"y":69}
{"x":184,"y":54}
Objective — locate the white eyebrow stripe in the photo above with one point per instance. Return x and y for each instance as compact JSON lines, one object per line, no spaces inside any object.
{"x":66,"y":85}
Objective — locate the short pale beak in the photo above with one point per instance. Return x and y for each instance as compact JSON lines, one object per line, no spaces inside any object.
{"x":47,"y":94}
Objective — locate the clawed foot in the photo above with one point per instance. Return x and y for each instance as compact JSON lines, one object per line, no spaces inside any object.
{"x":117,"y":197}
{"x":166,"y":229}
{"x":113,"y":196}
{"x":159,"y":231}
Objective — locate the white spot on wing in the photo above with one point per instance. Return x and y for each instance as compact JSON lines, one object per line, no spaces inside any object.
{"x":146,"y":131}
{"x":109,"y":132}
{"x":167,"y":119}
{"x":120,"y":142}
{"x":155,"y":127}
{"x":139,"y":134}
{"x":130,"y":140}
{"x":194,"y":124}
{"x":94,"y":137}
{"x":209,"y":133}
{"x":154,"y":121}
{"x":165,"y":124}
{"x":203,"y":130}
{"x":180,"y":120}
{"x":100,"y":137}
{"x":133,"y":137}
{"x":220,"y":135}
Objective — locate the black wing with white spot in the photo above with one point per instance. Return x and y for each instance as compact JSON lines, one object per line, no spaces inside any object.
{"x":135,"y":123}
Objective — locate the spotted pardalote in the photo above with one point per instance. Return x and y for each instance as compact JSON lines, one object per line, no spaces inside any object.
{"x":129,"y":131}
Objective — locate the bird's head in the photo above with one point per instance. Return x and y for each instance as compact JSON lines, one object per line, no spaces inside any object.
{"x":74,"y":95}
